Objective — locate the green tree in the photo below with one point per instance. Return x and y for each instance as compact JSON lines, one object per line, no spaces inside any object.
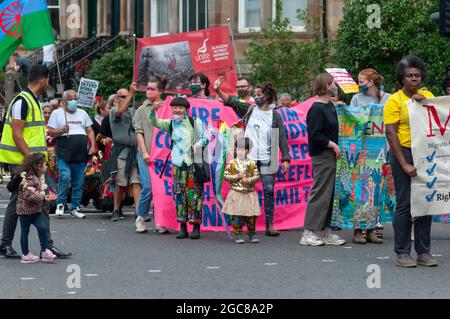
{"x":406,"y":28}
{"x":114,"y":70}
{"x":277,"y":57}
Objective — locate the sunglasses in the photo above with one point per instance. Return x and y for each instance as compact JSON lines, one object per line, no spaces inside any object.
{"x":152,"y":89}
{"x":122,"y":96}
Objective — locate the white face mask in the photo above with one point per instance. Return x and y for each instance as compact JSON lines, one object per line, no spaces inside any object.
{"x":178,"y":118}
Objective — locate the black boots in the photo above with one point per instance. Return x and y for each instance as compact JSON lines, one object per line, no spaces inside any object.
{"x":196,"y":232}
{"x":270,"y":231}
{"x":183,"y":232}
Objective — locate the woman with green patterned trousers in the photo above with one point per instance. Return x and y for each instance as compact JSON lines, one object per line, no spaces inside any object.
{"x":187,"y":192}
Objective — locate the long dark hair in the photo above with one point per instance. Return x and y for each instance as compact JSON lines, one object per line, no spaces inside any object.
{"x":242,"y":141}
{"x":31,"y":164}
{"x":204,"y":80}
{"x":269,"y":93}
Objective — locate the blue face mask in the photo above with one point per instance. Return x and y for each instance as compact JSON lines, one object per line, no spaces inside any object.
{"x":72,"y":105}
{"x":363,"y":88}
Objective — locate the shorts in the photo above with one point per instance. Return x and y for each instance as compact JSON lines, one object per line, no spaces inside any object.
{"x":121,"y":179}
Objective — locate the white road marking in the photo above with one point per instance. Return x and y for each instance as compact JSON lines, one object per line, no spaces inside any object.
{"x":436,"y":255}
{"x":271,"y":264}
{"x":328,"y":261}
{"x":71,"y":292}
{"x":153,"y":270}
{"x":91,"y":275}
{"x":27,"y":278}
{"x":383,"y":258}
{"x":212,"y":267}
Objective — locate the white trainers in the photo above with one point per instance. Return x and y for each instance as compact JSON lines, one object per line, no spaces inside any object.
{"x":140,"y":225}
{"x":333,"y":239}
{"x":76,"y":213}
{"x":309,"y":238}
{"x":59,"y":210}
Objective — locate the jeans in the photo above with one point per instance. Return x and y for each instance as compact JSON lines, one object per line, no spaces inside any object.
{"x":402,"y":219}
{"x":268,"y":181}
{"x":146,"y":188}
{"x":70,"y":173}
{"x":11,"y":217}
{"x":38,"y":221}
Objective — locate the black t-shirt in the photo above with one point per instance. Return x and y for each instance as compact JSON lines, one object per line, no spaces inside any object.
{"x":106,"y":127}
{"x":323,"y":126}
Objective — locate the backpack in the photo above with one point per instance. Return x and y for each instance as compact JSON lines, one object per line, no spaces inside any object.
{"x":202,"y":173}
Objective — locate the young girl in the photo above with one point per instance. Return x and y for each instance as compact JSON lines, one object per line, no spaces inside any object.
{"x":242,"y":201}
{"x":30,"y":202}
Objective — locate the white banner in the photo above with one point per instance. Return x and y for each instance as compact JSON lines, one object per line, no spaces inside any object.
{"x":86,"y":92}
{"x":430,"y":136}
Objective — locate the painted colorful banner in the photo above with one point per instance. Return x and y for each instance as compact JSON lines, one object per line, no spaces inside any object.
{"x":291,"y":189}
{"x":344,"y":80}
{"x":365,"y":193}
{"x":25,"y":22}
{"x":178,"y":56}
{"x":430,"y":190}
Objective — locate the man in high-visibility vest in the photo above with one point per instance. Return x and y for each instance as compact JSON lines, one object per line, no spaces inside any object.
{"x":23,"y":134}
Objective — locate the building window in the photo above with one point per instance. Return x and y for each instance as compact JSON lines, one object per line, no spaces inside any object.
{"x":53,"y":10}
{"x":290,"y":8}
{"x":160,"y":17}
{"x":193,"y":15}
{"x":249,"y":15}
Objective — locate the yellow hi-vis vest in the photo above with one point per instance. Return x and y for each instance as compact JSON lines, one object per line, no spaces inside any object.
{"x":33,"y":132}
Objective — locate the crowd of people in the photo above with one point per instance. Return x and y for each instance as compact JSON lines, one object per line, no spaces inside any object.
{"x":117,"y":143}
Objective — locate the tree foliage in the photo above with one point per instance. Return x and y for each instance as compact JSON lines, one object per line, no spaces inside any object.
{"x":114,"y":70}
{"x":405,"y":28}
{"x":290,"y":65}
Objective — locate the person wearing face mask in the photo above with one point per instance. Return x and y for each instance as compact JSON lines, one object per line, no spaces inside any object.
{"x":199,"y":85}
{"x":371,"y":92}
{"x":24,"y":134}
{"x":144,"y":135}
{"x":371,"y":89}
{"x":244,"y":90}
{"x":264,"y":127}
{"x":188,"y":136}
{"x":323,"y":133}
{"x":72,"y":129}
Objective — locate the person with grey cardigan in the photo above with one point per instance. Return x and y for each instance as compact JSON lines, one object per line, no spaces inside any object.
{"x":264,"y":126}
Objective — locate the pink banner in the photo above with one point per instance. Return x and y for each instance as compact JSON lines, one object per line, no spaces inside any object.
{"x":291,"y":189}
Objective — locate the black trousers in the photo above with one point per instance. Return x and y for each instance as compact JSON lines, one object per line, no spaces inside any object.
{"x":403,"y":220}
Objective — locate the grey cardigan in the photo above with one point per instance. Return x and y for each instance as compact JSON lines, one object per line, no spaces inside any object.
{"x":241,"y":110}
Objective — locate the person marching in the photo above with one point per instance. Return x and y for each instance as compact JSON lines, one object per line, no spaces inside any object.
{"x":23,"y":134}
{"x":242,"y":200}
{"x":188,"y":136}
{"x":30,"y":203}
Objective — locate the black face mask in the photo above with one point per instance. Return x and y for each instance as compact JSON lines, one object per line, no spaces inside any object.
{"x":260,"y":101}
{"x":242,"y":93}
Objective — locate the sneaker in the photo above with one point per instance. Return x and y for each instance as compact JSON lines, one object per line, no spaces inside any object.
{"x":140,"y":225}
{"x":311,"y":239}
{"x":238,"y":239}
{"x":253,"y":239}
{"x":121,"y":215}
{"x":115,"y":216}
{"x":29,"y":259}
{"x":76,"y":213}
{"x":426,"y":260}
{"x":334,"y":240}
{"x":59,"y":210}
{"x":405,"y":261}
{"x":47,"y":255}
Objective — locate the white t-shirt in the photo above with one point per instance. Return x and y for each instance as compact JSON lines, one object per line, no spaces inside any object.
{"x":49,"y":52}
{"x":259,"y":131}
{"x":77,"y":121}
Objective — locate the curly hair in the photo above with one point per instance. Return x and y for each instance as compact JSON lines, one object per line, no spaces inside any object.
{"x":269,"y":93}
{"x":31,"y":164}
{"x":409,"y":61}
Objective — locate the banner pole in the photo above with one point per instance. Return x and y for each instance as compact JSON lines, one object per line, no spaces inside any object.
{"x":59,"y":70}
{"x":134,"y":64}
{"x":234,"y":47}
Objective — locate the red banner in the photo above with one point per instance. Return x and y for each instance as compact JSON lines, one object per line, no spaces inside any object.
{"x":178,"y":56}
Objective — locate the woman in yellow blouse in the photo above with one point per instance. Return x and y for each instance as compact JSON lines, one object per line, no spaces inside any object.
{"x":410,"y":74}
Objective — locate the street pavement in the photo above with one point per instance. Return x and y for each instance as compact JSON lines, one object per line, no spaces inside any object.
{"x":115,"y":262}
